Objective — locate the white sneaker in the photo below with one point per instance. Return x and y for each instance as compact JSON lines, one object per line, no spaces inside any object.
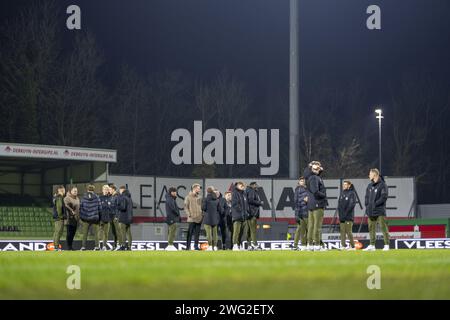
{"x":215,"y":249}
{"x":309,"y":248}
{"x":386,"y":247}
{"x":236,"y":248}
{"x":370,"y":248}
{"x":104,"y":249}
{"x":316,"y":248}
{"x":171,"y":248}
{"x":351,"y":249}
{"x":323,"y":248}
{"x":209,"y":248}
{"x":303,"y":248}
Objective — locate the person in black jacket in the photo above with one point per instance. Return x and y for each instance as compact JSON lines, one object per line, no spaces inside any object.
{"x":222,"y":226}
{"x":228,"y":217}
{"x":375,"y":201}
{"x":346,"y":210}
{"x":210,"y":207}
{"x":172,"y":217}
{"x":317,"y":202}
{"x":125,"y":206}
{"x":301,"y":214}
{"x":115,"y":225}
{"x":59,"y":216}
{"x":90,"y":215}
{"x":254,"y":204}
{"x":239,"y":212}
{"x":105,"y":216}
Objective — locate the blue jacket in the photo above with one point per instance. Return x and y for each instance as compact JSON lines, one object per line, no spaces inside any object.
{"x":90,"y":208}
{"x":301,"y":206}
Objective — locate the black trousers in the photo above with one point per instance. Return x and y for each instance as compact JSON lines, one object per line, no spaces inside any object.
{"x":70,"y":234}
{"x":194,"y":230}
{"x":223,"y":232}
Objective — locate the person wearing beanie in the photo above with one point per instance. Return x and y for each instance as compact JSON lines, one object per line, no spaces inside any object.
{"x":172,"y":217}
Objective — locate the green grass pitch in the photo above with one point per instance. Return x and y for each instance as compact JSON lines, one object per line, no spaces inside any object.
{"x":405,"y":274}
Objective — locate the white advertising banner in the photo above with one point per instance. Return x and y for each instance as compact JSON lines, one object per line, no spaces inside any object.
{"x":57,"y":152}
{"x":148,"y":194}
{"x":142,"y":191}
{"x":183,"y":186}
{"x":265,"y":191}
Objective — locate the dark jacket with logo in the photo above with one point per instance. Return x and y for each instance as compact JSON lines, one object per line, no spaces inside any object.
{"x":90,"y":208}
{"x":301,"y":206}
{"x":59,"y":209}
{"x":210,"y":207}
{"x":346,"y":205}
{"x":106,"y":211}
{"x":125,"y":207}
{"x":376,"y":197}
{"x":317,"y":198}
{"x":254,"y":202}
{"x":172,"y":211}
{"x":114,"y":206}
{"x":239,"y":205}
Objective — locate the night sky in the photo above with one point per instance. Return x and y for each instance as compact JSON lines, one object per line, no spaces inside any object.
{"x":250,"y":39}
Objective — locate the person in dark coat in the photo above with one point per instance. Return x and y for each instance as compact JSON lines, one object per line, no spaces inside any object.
{"x":125,"y":207}
{"x":239,"y":212}
{"x":210,"y":207}
{"x":375,"y":201}
{"x":173,"y":217}
{"x":317,"y":202}
{"x":90,"y":215}
{"x":301,"y":214}
{"x":105,"y":216}
{"x":115,"y":225}
{"x":228,"y":217}
{"x":59,"y":216}
{"x":346,"y":211}
{"x":254,"y":204}
{"x":222,"y":226}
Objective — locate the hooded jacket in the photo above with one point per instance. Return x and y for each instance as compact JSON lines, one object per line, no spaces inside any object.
{"x":90,"y":208}
{"x":317,"y":198}
{"x":114,"y":206}
{"x":172,"y":211}
{"x":125,"y":207}
{"x":107,"y":208}
{"x":301,"y":206}
{"x":224,"y":208}
{"x":254,"y":202}
{"x":239,"y":205}
{"x":376,"y":197}
{"x":193,"y":207}
{"x":210,"y":207}
{"x":346,"y":204}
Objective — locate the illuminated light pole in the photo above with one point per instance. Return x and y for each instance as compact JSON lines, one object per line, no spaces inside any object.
{"x":379,"y":116}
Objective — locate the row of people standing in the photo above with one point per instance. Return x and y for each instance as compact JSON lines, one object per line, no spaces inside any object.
{"x":112,"y":210}
{"x":233,"y":214}
{"x":310,"y":201}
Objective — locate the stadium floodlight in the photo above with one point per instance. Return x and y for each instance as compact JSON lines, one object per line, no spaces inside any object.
{"x":379,"y":116}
